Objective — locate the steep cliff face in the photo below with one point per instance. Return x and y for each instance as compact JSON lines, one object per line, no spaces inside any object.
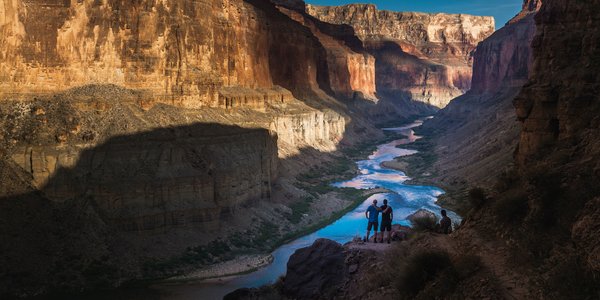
{"x":171,"y":49}
{"x":478,"y":131}
{"x":427,"y":55}
{"x":559,"y":110}
{"x":187,"y":53}
{"x":350,"y":69}
{"x":558,"y":105}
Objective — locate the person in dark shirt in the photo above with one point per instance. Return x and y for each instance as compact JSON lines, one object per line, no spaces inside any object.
{"x":372,"y":215}
{"x":386,"y":220}
{"x":445,"y":223}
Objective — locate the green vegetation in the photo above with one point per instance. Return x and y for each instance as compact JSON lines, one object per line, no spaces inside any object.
{"x":356,"y":197}
{"x":299,"y":209}
{"x":425,"y":222}
{"x":423,"y":160}
{"x":268,"y":233}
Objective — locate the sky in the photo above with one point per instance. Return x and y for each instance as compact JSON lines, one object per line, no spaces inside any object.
{"x":501,"y":10}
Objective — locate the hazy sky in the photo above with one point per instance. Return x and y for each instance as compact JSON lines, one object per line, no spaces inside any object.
{"x":502,"y":10}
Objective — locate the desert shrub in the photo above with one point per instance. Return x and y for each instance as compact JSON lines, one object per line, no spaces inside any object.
{"x":506,"y":180}
{"x":511,"y":206}
{"x":425,"y":223}
{"x":421,"y":268}
{"x":299,"y":209}
{"x":570,"y":279}
{"x":477,"y":197}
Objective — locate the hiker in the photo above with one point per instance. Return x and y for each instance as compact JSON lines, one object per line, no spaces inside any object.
{"x":386,"y":221}
{"x":445,"y":223}
{"x":372,"y":215}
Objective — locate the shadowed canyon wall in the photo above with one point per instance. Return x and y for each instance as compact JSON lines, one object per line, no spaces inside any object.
{"x":427,"y":55}
{"x":559,"y":110}
{"x":478,"y":131}
{"x":545,"y":208}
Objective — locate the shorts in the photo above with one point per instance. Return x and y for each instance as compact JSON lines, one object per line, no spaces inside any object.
{"x":372,"y":224}
{"x":386,"y":226}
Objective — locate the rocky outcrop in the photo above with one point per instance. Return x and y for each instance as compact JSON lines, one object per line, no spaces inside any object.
{"x":559,"y":103}
{"x":315,"y":271}
{"x":478,"y":132}
{"x":426,"y":55}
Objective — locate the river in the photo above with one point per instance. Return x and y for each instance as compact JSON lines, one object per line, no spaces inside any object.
{"x":405,"y":199}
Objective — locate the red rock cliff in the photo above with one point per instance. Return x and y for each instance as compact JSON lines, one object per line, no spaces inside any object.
{"x":426,"y":55}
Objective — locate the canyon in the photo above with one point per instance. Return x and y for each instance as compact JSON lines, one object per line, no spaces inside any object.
{"x":145,"y":139}
{"x":140,"y":139}
{"x":427,"y":57}
{"x":524,"y":175}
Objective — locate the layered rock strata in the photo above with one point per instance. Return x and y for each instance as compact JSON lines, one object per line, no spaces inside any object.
{"x":426,"y":55}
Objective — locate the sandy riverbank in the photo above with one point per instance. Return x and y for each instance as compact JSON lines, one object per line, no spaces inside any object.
{"x":239,"y":265}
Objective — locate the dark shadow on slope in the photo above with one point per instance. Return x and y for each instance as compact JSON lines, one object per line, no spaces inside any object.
{"x":66,"y":236}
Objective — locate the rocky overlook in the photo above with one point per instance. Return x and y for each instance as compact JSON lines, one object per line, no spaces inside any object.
{"x":428,"y":55}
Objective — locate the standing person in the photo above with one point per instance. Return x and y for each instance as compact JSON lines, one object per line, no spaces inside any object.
{"x":386,"y":220}
{"x":372,"y":215}
{"x":445,"y":223}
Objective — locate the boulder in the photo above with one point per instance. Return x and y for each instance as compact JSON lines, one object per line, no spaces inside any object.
{"x":315,"y":271}
{"x":421,"y":214}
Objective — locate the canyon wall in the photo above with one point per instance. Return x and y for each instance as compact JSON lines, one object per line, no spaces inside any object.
{"x":478,"y":131}
{"x":559,"y":110}
{"x":428,"y":56}
{"x":559,"y":104}
{"x":171,"y":49}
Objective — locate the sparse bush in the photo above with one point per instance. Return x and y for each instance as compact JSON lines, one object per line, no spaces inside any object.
{"x":511,"y":206}
{"x":421,"y":268}
{"x":299,"y":209}
{"x":477,"y":197}
{"x":425,"y":222}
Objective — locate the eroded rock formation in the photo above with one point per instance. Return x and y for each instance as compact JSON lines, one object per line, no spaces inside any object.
{"x":427,"y":55}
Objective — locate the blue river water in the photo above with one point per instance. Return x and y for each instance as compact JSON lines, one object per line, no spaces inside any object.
{"x":405,"y":199}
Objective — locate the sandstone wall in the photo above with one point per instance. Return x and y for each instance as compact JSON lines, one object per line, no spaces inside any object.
{"x":350,"y":68}
{"x":504,"y":59}
{"x":320,"y":130}
{"x":186,"y":49}
{"x":560,"y":102}
{"x":428,"y":56}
